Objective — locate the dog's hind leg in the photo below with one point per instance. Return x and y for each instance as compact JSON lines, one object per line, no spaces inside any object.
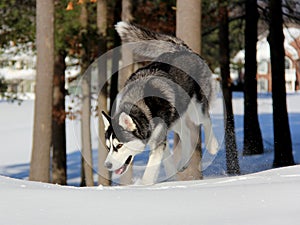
{"x":211,"y":142}
{"x":188,"y":142}
{"x":153,"y":166}
{"x":201,"y":116}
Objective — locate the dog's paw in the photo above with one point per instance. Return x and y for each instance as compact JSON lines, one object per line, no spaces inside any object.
{"x":213,"y":146}
{"x":138,"y":182}
{"x":142,"y":182}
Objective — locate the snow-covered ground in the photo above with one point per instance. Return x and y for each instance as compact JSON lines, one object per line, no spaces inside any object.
{"x":269,"y":197}
{"x":266,"y":198}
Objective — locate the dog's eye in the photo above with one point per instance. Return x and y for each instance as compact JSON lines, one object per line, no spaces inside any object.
{"x":119,"y":146}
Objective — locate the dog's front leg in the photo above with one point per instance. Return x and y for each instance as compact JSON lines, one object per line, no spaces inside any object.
{"x":152,"y":169}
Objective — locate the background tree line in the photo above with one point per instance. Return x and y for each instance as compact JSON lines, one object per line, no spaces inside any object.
{"x":84,"y":29}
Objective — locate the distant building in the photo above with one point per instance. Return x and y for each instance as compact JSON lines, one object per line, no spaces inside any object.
{"x":292,"y":62}
{"x":17,"y":67}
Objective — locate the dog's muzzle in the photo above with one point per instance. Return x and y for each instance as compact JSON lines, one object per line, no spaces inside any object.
{"x":108,"y":165}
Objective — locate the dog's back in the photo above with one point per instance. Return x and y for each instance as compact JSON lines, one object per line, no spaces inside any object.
{"x":171,"y":80}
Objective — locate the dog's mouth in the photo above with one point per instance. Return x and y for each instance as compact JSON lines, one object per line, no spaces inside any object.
{"x":123,"y":168}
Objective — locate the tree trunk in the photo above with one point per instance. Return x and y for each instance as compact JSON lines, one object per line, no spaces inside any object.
{"x":283,"y":155}
{"x":188,"y":28}
{"x":188,"y":23}
{"x":86,"y":102}
{"x":253,"y":143}
{"x":59,"y":167}
{"x":230,"y":142}
{"x":124,"y":74}
{"x":103,"y":173}
{"x":40,"y":158}
{"x":86,"y":129}
{"x":116,"y":57}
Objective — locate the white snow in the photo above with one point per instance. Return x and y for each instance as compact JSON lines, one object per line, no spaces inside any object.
{"x":268,"y":197}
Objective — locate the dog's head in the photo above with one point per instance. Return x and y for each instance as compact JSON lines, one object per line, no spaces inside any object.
{"x":122,"y":142}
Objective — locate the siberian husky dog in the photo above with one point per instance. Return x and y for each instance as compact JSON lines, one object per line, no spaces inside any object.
{"x":173,"y":92}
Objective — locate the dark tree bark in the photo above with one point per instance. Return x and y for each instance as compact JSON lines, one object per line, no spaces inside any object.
{"x":253,"y":143}
{"x":230,"y":142}
{"x":116,"y":57}
{"x":40,"y":158}
{"x":283,"y":155}
{"x":59,"y":167}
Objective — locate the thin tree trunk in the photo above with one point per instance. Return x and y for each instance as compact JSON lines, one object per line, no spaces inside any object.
{"x":86,"y":101}
{"x":86,"y":129}
{"x":188,"y":28}
{"x":253,"y":143}
{"x":124,"y":74}
{"x":283,"y":152}
{"x":59,"y":167}
{"x":230,"y":142}
{"x":116,"y":57}
{"x":103,"y":173}
{"x":40,"y":158}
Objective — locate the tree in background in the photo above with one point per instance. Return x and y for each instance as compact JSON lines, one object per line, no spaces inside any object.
{"x":125,"y":72}
{"x":17,"y":22}
{"x":40,"y":158}
{"x":117,"y":10}
{"x":162,"y":14}
{"x":283,"y":153}
{"x":59,"y":151}
{"x":3,"y":87}
{"x":85,"y":61}
{"x":103,"y":173}
{"x":66,"y":44}
{"x":65,"y":35}
{"x":17,"y":28}
{"x":210,"y":29}
{"x":78,"y":35}
{"x":188,"y":28}
{"x":253,"y":143}
{"x":230,"y":142}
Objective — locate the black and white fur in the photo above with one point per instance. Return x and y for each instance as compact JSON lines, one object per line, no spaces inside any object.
{"x":173,"y":92}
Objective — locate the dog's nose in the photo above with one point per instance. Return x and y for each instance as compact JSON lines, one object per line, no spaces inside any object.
{"x":108,"y":165}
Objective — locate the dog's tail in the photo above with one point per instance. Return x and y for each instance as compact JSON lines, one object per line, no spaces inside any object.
{"x":147,"y":43}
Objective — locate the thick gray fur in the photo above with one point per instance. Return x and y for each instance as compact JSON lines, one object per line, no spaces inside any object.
{"x":149,"y":44}
{"x":153,"y":46}
{"x":173,"y":90}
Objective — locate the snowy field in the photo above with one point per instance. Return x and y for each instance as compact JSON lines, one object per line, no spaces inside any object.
{"x":268,"y":197}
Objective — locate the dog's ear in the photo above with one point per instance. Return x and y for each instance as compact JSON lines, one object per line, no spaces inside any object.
{"x":106,"y":120}
{"x":126,"y":122}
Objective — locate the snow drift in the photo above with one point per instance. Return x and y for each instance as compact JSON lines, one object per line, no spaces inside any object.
{"x":270,"y":197}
